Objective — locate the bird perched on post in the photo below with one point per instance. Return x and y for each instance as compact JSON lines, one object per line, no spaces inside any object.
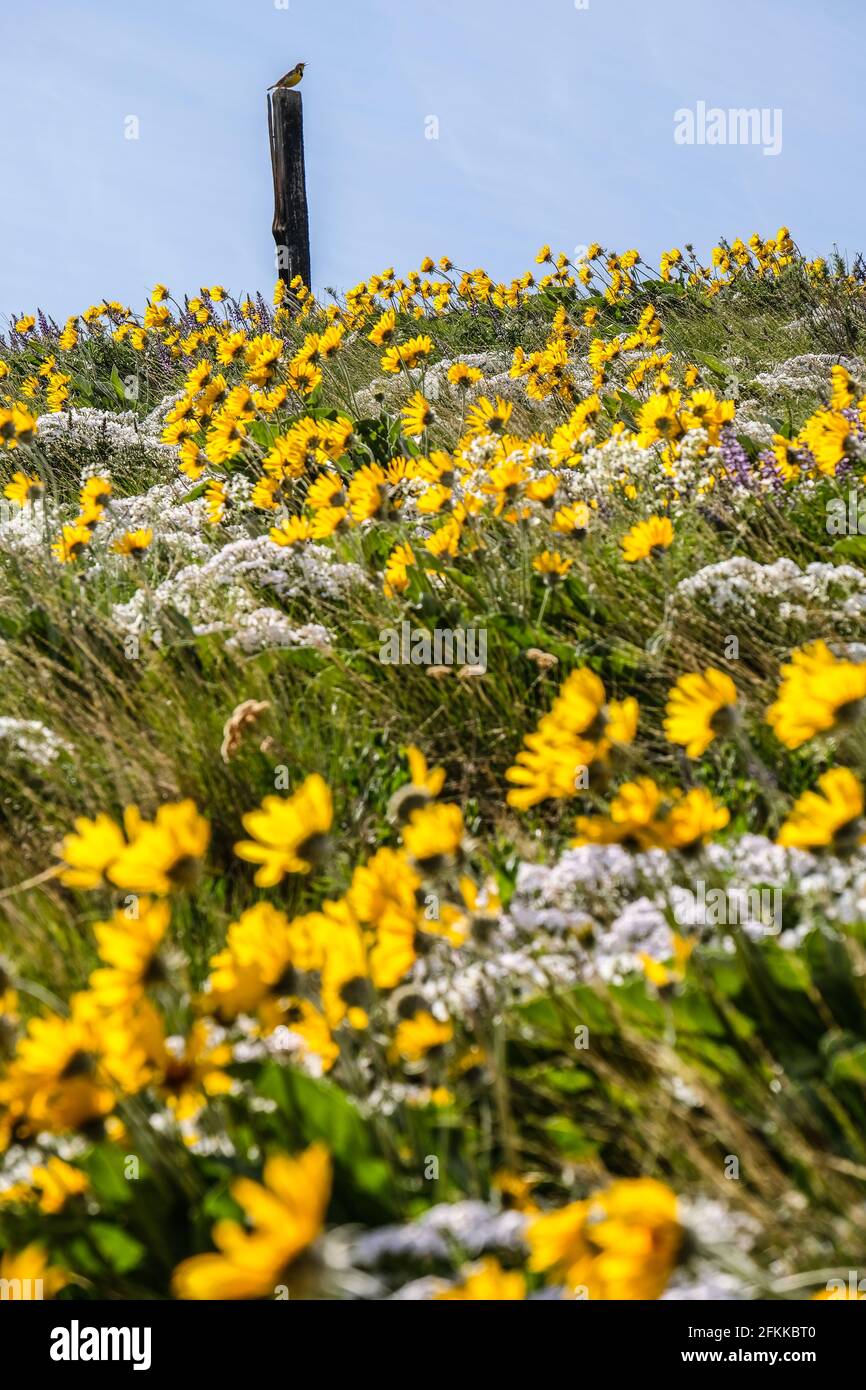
{"x":291,"y":79}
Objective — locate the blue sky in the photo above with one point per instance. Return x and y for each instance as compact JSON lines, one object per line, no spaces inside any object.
{"x":555,"y":124}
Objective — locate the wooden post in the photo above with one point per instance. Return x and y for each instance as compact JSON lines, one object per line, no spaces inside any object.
{"x":291,"y":226}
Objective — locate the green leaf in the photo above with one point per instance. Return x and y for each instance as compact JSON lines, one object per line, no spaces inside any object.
{"x":121,"y":1250}
{"x":851,"y":548}
{"x":570,"y":1138}
{"x":105,"y":1168}
{"x":568,"y":1081}
{"x":542,"y":1015}
{"x":322,"y":1111}
{"x":82,"y":388}
{"x":198,"y":491}
{"x":119,"y":388}
{"x":850,"y":1065}
{"x":706,"y":359}
{"x":377,"y":435}
{"x":787,"y":969}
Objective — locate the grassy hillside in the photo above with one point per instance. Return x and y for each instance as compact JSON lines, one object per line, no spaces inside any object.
{"x":431,"y":806}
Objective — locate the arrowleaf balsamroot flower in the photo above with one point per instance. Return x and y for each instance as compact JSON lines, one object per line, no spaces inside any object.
{"x":424,"y":785}
{"x":489,"y":417}
{"x":461,"y":374}
{"x":295,"y":531}
{"x":265,"y":955}
{"x":843,"y":389}
{"x":192,"y":461}
{"x":286,"y":1212}
{"x":133,"y":542}
{"x":27,"y":1269}
{"x":831,"y":818}
{"x":345,"y":976}
{"x":52,"y":1184}
{"x":164,"y":854}
{"x":141,"y":856}
{"x":89,"y":852}
{"x":73,"y":540}
{"x":289,"y":834}
{"x":415,"y":1038}
{"x":788,"y":458}
{"x":384,"y":329}
{"x":433,"y":836}
{"x":622,"y":1243}
{"x":397,"y":567}
{"x":643,"y":816}
{"x":487,"y":1282}
{"x":95,"y":493}
{"x":581,"y":728}
{"x":828,"y":435}
{"x":417,"y":415}
{"x":431,"y":779}
{"x":659,"y":421}
{"x":663,"y":974}
{"x":818,"y":692}
{"x":646,"y":538}
{"x":407,"y":355}
{"x":384,"y":896}
{"x":631,"y":820}
{"x":551,"y":566}
{"x":572,"y":520}
{"x":699,"y":707}
{"x":192,"y":1069}
{"x":23,"y":488}
{"x":55,"y":1081}
{"x":128,"y":946}
{"x":692,"y":820}
{"x":215,"y":501}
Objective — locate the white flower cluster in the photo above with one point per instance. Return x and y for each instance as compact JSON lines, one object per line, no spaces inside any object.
{"x":85,"y":429}
{"x":26,"y":530}
{"x":224,"y":590}
{"x":471,"y":1226}
{"x":618,"y":462}
{"x":758,"y":431}
{"x":808,"y":372}
{"x":744,"y":588}
{"x":31,"y":741}
{"x":599,"y":909}
{"x":178,"y":524}
{"x":266,"y":628}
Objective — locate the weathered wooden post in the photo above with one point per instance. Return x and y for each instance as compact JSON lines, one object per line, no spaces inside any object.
{"x":291,"y":225}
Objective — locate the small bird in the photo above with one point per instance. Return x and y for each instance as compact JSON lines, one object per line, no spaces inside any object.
{"x":292,"y":78}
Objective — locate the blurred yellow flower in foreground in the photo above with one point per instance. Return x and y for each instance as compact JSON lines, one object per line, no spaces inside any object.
{"x":620,"y":1244}
{"x":699,"y":707}
{"x":286,"y":1213}
{"x":818,"y":692}
{"x":28,"y":1275}
{"x":51,"y":1184}
{"x":832,"y":817}
{"x":289,"y":834}
{"x":487,"y":1282}
{"x":142,"y":856}
{"x":163,"y":854}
